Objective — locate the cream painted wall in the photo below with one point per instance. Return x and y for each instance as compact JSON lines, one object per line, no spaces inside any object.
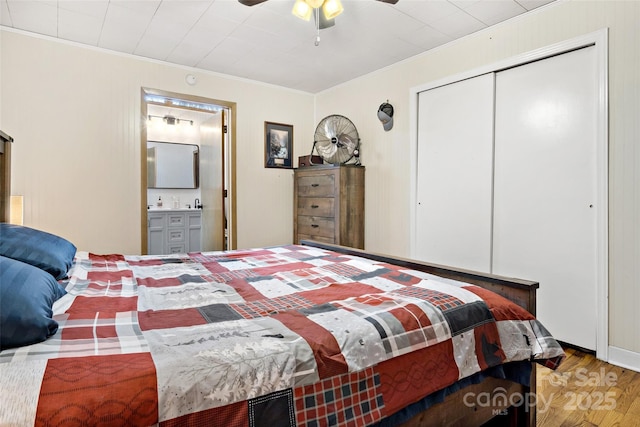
{"x":385,"y":154}
{"x":75,"y":115}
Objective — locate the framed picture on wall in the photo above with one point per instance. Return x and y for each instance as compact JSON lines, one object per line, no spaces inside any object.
{"x":278,"y":145}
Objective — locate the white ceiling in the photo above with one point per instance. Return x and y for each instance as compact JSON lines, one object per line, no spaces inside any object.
{"x":264,"y":42}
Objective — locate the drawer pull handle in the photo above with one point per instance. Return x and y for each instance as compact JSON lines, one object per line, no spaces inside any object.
{"x":315,"y":185}
{"x":315,"y":225}
{"x":314,"y":206}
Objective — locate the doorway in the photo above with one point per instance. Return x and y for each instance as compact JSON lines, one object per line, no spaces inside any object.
{"x":214,"y":122}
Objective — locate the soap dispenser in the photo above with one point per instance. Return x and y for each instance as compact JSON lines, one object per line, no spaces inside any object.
{"x":159,"y":201}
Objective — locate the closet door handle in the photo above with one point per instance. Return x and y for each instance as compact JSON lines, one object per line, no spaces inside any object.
{"x":314,"y":206}
{"x":315,"y":225}
{"x":315,"y":185}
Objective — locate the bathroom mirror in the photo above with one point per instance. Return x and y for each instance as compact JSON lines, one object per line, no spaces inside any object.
{"x":172,"y":165}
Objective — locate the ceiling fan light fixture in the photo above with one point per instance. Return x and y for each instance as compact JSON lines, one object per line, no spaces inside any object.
{"x":314,"y":3}
{"x":332,"y":8}
{"x":302,"y":10}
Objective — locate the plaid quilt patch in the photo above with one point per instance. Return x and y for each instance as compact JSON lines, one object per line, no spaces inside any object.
{"x":260,"y":337}
{"x":344,"y":270}
{"x":267,"y":307}
{"x":439,"y":299}
{"x":345,"y":400}
{"x":226,"y":276}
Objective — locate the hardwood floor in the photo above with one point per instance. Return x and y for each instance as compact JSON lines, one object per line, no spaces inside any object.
{"x":587,"y":392}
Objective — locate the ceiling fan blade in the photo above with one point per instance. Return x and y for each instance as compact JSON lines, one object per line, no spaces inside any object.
{"x":251,"y":2}
{"x":389,"y":1}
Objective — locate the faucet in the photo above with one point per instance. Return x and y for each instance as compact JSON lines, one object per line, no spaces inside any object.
{"x":197,"y":204}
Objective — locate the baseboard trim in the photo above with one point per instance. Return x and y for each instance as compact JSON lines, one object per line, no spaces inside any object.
{"x":576,"y":347}
{"x":624,"y":358}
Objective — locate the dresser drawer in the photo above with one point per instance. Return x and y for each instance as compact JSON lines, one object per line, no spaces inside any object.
{"x":175,"y":220}
{"x":316,"y":185}
{"x":316,"y":206}
{"x":316,"y":226}
{"x":316,"y":238}
{"x":176,"y":249}
{"x":175,"y":236}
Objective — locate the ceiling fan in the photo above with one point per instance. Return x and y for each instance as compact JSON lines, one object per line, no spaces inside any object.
{"x":304,"y":9}
{"x":255,"y":2}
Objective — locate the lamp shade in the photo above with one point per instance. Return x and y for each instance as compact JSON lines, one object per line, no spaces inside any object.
{"x":332,"y":8}
{"x":302,"y":10}
{"x":314,"y":3}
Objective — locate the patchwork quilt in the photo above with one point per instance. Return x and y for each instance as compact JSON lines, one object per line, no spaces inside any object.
{"x":287,"y":335}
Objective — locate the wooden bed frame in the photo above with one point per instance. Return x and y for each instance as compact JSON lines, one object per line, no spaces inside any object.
{"x":5,"y":175}
{"x":452,"y":412}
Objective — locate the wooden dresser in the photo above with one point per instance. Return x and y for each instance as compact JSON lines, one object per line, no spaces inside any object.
{"x":329,"y":204}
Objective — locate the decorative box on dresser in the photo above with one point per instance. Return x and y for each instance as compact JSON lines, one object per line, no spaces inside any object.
{"x":329,"y":204}
{"x":172,"y":231}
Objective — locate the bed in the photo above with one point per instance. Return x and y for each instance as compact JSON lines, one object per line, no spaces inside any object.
{"x":311,"y":334}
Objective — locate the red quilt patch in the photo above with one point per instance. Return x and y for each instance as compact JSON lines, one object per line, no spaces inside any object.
{"x":151,"y":282}
{"x":109,"y":306}
{"x":107,"y":257}
{"x":500,"y":307}
{"x":339,"y":291}
{"x":99,"y":390}
{"x":234,"y":415}
{"x":408,"y":378}
{"x":166,"y":319}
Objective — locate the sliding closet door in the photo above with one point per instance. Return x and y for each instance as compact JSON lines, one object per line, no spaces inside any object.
{"x":545,"y":188}
{"x":455,"y":157}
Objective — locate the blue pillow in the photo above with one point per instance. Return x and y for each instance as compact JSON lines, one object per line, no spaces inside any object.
{"x":26,"y":297}
{"x":38,"y":248}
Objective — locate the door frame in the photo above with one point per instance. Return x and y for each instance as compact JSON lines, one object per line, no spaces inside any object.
{"x":598,"y":39}
{"x":229,"y":143}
